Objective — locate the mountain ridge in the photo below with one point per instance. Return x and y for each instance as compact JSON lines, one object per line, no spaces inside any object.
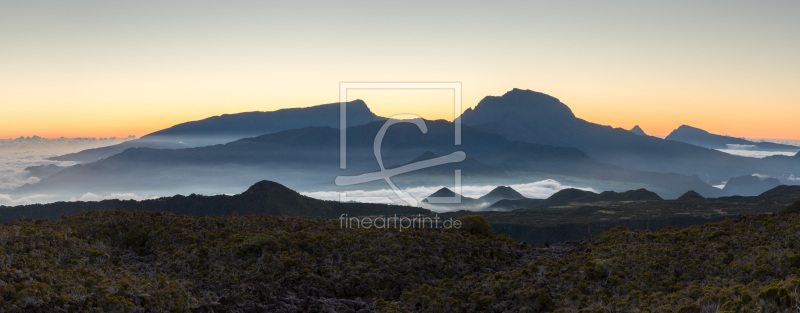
{"x":263,"y":197}
{"x":556,"y":125}
{"x":572,"y":195}
{"x":501,"y":193}
{"x":638,"y":131}
{"x":311,"y":155}
{"x":703,"y":138}
{"x":225,"y":128}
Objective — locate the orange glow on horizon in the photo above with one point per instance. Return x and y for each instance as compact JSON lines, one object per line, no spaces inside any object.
{"x":658,"y":120}
{"x":131,"y":68}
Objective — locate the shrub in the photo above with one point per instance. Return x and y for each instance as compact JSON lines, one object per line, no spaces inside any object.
{"x":475,"y":224}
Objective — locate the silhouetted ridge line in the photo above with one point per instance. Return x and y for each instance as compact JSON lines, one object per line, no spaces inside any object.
{"x":638,"y":130}
{"x":264,"y":197}
{"x":698,"y":137}
{"x":229,"y":127}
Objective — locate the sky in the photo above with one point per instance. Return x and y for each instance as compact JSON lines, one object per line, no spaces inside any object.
{"x":118,"y":68}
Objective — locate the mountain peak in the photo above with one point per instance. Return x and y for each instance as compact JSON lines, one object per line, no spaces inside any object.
{"x":638,"y":130}
{"x":702,"y":138}
{"x":518,"y":103}
{"x":691,"y":195}
{"x":687,"y":130}
{"x":357,"y":102}
{"x":640,"y":194}
{"x":266,"y":187}
{"x":502,"y":193}
{"x":443,"y":192}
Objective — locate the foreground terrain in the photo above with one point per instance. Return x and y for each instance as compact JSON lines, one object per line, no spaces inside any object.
{"x":134,"y":261}
{"x":569,"y":214}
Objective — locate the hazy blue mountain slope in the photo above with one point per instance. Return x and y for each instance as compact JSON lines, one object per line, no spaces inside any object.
{"x":749,"y":185}
{"x":534,"y":117}
{"x":311,"y":155}
{"x":264,"y":197}
{"x":702,"y":138}
{"x":229,"y":127}
{"x":638,"y":131}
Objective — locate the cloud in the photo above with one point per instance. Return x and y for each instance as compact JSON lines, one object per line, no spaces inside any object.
{"x":543,"y":189}
{"x":18,"y":154}
{"x":759,"y":154}
{"x":10,"y":201}
{"x":128,"y":196}
{"x":90,"y":196}
{"x":536,"y":190}
{"x":12,"y":169}
{"x":760,"y":176}
{"x":740,"y":147}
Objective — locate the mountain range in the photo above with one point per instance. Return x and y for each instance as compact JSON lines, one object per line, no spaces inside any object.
{"x":534,"y":117}
{"x":310,"y":156}
{"x":264,"y":197}
{"x":229,"y":127}
{"x":571,"y":195}
{"x":485,"y":202}
{"x":569,"y":214}
{"x":519,"y":137}
{"x":504,"y":198}
{"x":702,"y":138}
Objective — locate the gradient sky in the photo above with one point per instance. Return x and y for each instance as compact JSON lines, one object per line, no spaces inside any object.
{"x":116,"y":68}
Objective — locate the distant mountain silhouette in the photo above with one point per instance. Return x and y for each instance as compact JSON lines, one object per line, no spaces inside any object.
{"x":566,"y":196}
{"x":44,"y":171}
{"x":445,"y":192}
{"x":264,"y":197}
{"x":501,"y":193}
{"x":521,"y":133}
{"x":749,"y":185}
{"x":638,"y":131}
{"x":691,"y":195}
{"x":570,"y":195}
{"x":229,"y":127}
{"x":534,"y":117}
{"x":308,"y":156}
{"x":702,"y":138}
{"x":630,"y":195}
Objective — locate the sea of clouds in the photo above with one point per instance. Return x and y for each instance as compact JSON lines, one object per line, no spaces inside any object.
{"x":534,"y":190}
{"x":18,"y":154}
{"x":751,"y":151}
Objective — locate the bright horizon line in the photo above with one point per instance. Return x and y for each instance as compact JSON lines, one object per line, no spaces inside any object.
{"x":139,"y":134}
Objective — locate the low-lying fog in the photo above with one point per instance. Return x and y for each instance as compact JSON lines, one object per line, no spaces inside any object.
{"x":16,"y":155}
